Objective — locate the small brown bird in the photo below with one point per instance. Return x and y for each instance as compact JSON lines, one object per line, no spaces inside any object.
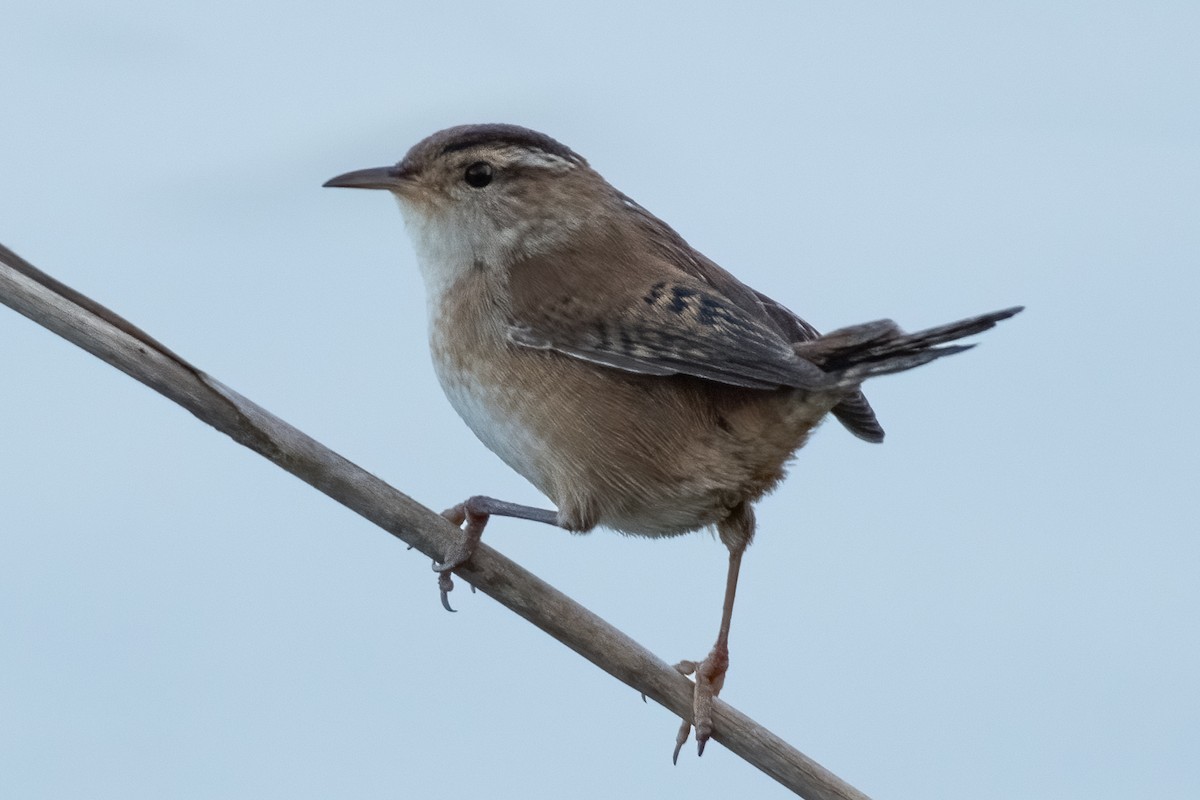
{"x":637,"y":384}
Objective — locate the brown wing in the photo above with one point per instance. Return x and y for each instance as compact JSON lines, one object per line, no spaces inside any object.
{"x":686,"y":315}
{"x":667,"y":323}
{"x":855,"y":413}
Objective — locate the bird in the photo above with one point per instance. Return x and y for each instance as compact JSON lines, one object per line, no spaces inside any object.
{"x":637,"y":384}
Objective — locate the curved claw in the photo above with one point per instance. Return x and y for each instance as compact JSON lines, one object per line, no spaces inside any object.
{"x":445,"y":585}
{"x":474,"y":514}
{"x":681,"y":739}
{"x":710,"y":677}
{"x":444,"y":568}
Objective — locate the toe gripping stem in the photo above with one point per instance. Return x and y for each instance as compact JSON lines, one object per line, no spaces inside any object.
{"x":475,"y":512}
{"x":476,"y":520}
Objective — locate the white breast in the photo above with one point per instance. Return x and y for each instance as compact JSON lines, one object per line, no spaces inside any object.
{"x":466,"y":346}
{"x":493,"y":411}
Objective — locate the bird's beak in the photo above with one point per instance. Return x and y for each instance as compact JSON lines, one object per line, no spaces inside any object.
{"x":393,"y":178}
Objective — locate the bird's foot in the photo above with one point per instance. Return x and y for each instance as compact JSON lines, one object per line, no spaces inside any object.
{"x":710,"y":677}
{"x":475,"y":521}
{"x":475,"y":512}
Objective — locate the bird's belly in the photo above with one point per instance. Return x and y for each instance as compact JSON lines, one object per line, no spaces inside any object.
{"x":492,"y":413}
{"x":545,"y":432}
{"x":645,"y":455}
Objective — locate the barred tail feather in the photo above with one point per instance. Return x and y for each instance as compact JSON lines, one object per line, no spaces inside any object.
{"x":854,"y":354}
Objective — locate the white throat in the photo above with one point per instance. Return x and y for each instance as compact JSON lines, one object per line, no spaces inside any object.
{"x":445,"y":249}
{"x":459,"y":238}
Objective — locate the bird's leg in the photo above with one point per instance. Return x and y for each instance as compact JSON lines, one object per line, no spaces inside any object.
{"x":475,"y":512}
{"x":736,"y":533}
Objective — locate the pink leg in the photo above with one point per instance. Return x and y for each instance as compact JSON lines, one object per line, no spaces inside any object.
{"x":736,"y":532}
{"x":475,"y":512}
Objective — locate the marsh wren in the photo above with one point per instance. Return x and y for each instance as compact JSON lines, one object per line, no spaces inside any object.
{"x":637,"y":384}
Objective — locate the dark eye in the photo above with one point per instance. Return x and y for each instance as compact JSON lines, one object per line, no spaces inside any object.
{"x":478,"y":174}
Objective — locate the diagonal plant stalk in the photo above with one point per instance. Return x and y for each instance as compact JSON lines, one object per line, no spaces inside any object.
{"x":114,"y":340}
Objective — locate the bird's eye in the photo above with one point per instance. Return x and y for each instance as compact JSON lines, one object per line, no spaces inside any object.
{"x":478,"y":174}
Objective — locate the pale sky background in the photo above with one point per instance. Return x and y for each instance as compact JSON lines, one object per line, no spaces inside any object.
{"x":1000,"y":602}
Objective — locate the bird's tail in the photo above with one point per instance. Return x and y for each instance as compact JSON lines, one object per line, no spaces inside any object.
{"x":851,"y":355}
